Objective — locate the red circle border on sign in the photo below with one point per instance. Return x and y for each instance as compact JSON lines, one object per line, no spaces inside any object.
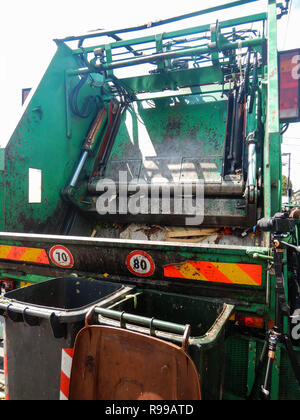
{"x":54,"y":248}
{"x":144,"y":254}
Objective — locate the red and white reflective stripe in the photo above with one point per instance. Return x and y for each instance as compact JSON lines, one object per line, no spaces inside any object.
{"x":66,"y":366}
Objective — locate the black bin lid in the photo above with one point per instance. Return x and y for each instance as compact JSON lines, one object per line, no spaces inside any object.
{"x":65,"y":293}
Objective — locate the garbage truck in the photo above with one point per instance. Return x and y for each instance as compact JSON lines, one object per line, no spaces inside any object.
{"x":141,"y":205}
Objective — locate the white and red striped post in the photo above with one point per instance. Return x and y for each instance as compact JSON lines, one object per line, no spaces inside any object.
{"x":66,"y":366}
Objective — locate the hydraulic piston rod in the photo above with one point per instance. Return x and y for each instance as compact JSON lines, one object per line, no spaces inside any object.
{"x":181,"y":53}
{"x":167,"y":55}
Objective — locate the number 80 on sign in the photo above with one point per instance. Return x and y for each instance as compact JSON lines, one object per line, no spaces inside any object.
{"x":140,"y":263}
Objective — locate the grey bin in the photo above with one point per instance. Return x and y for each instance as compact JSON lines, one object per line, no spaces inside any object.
{"x":40,"y":321}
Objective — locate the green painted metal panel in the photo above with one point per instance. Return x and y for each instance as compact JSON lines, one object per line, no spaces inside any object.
{"x":172,"y":139}
{"x":174,"y":80}
{"x":2,"y":159}
{"x":40,"y":142}
{"x":176,"y":137}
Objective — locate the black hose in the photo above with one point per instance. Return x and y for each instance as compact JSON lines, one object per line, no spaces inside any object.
{"x":254,"y":83}
{"x":244,"y":88}
{"x":88,"y":103}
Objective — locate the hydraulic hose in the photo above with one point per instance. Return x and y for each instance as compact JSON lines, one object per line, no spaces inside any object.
{"x":89,"y":102}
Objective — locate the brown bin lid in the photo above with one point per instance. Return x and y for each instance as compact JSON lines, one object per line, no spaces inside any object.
{"x":117,"y":364}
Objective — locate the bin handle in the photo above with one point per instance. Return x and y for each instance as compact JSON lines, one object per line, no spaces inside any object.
{"x":32,"y":316}
{"x":152,"y":323}
{"x":89,"y":316}
{"x":185,"y":338}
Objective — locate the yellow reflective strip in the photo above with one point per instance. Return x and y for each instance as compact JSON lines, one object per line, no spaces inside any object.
{"x":235,"y":274}
{"x":31,"y":254}
{"x":4,"y":250}
{"x":25,"y":284}
{"x":190,"y":272}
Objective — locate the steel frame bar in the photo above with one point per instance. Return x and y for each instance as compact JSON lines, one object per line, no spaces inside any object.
{"x":161,"y":22}
{"x":176,"y":34}
{"x":88,"y":241}
{"x":168,"y":55}
{"x":272,"y":146}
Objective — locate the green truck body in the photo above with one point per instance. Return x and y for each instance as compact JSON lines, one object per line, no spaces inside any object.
{"x":205,"y":114}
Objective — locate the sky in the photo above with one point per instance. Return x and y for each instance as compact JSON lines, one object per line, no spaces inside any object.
{"x":27,"y":30}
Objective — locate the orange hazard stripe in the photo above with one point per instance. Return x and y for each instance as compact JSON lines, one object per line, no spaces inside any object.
{"x":19,"y":253}
{"x":243,"y":274}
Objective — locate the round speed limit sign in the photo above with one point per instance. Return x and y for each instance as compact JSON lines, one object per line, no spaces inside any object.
{"x":61,"y":256}
{"x":140,"y":263}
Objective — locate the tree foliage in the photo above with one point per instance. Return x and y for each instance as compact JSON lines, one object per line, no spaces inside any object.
{"x":285,"y":185}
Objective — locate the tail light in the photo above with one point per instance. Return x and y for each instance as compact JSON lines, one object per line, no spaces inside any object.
{"x":249,"y":321}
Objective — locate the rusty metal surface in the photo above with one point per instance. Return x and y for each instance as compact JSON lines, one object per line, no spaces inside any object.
{"x":106,"y":259}
{"x":116,"y":364}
